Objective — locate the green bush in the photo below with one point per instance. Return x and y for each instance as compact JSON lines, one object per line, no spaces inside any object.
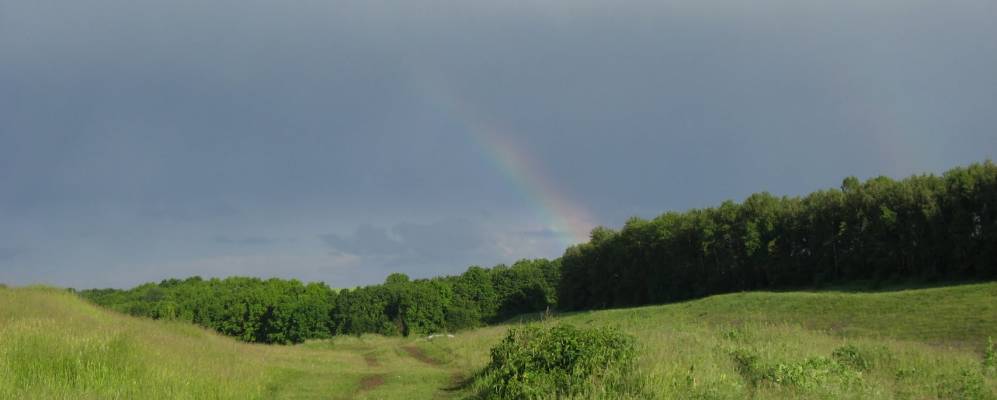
{"x":814,"y":373}
{"x":535,"y":362}
{"x":850,"y":356}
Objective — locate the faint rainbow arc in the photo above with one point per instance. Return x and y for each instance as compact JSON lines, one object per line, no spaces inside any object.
{"x":569,"y":221}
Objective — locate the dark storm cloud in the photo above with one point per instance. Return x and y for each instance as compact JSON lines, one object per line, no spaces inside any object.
{"x":134,"y":134}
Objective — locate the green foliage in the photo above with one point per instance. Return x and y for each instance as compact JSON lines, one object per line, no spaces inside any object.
{"x":749,"y":365}
{"x":424,"y":306}
{"x":966,"y":385}
{"x":733,"y":334}
{"x":921,"y":229}
{"x":288,"y":311}
{"x":851,"y":357}
{"x":810,"y":374}
{"x":396,"y":279}
{"x":250,"y":309}
{"x":535,"y":362}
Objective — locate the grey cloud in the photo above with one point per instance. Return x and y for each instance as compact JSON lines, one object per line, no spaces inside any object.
{"x":10,"y":253}
{"x":546,"y":233}
{"x":411,"y":239}
{"x":367,"y":240}
{"x":438,"y":238}
{"x":421,"y":250}
{"x":245,"y":240}
{"x":188,"y":212}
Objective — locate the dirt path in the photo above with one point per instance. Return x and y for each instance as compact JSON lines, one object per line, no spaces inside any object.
{"x":371,"y":382}
{"x":371,"y":360}
{"x":418,"y":354}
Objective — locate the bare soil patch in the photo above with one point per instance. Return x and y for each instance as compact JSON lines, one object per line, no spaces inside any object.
{"x":418,"y":354}
{"x":371,"y":382}
{"x":371,"y":360}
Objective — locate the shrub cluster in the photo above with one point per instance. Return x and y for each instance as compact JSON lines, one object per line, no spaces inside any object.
{"x":537,"y":362}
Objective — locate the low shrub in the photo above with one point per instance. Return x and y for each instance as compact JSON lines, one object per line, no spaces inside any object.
{"x":562,"y":361}
{"x":733,"y":334}
{"x":966,"y":385}
{"x":850,"y":356}
{"x":842,"y":368}
{"x":749,"y":365}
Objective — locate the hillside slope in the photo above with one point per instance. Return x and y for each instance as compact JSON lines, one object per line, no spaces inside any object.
{"x":926,"y":343}
{"x":55,"y":345}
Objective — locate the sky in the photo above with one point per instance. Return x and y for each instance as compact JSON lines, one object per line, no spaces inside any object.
{"x":340,"y":141}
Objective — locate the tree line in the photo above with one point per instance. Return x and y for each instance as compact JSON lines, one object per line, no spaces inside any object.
{"x":920,"y":229}
{"x":289,"y":311}
{"x":923,"y":228}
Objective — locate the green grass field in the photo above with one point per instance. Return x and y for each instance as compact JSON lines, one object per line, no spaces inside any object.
{"x":909,"y":344}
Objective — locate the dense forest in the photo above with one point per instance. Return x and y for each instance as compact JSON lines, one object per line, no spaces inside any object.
{"x":920,"y":229}
{"x":923,"y":228}
{"x":288,"y":311}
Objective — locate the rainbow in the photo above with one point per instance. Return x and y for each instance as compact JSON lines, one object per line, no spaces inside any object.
{"x":570,"y":222}
{"x":567,"y":220}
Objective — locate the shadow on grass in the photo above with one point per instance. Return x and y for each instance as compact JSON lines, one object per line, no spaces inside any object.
{"x":871,"y":286}
{"x":856,"y":287}
{"x":461,"y":383}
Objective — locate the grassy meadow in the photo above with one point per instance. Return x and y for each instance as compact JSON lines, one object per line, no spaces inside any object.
{"x":905,"y":344}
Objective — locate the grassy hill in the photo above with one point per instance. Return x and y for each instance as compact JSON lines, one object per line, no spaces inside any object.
{"x":924,"y":343}
{"x":55,"y":345}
